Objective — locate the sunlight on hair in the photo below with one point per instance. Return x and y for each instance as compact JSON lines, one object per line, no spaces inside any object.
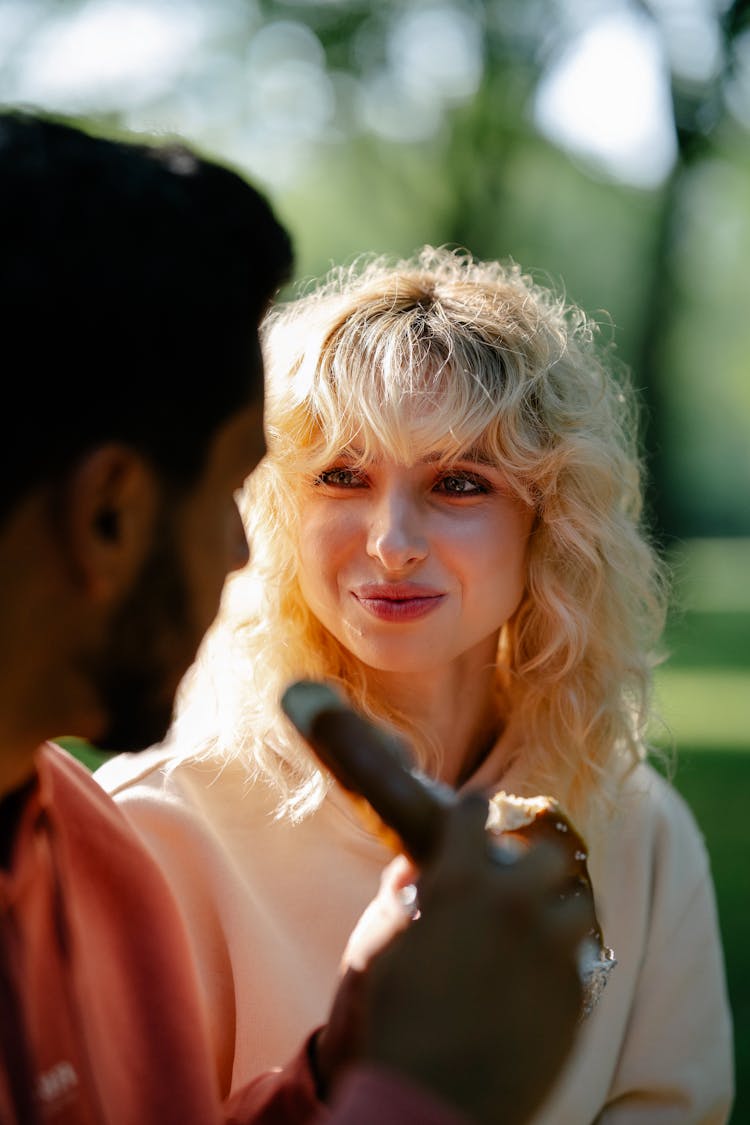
{"x":444,"y":352}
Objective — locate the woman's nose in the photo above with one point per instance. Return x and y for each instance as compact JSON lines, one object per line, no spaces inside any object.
{"x":396,"y":536}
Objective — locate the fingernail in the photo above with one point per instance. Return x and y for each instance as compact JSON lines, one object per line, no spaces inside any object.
{"x":409,"y":900}
{"x":505,"y":850}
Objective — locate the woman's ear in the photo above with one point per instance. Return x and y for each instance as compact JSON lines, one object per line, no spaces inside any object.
{"x":111,"y":498}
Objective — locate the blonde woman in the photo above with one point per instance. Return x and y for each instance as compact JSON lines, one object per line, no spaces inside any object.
{"x":447,"y":525}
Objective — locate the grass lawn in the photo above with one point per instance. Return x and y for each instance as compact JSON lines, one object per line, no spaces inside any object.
{"x":716,"y":783}
{"x":703,"y":696}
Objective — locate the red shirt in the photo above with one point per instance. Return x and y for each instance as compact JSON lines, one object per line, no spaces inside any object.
{"x":100,"y":1018}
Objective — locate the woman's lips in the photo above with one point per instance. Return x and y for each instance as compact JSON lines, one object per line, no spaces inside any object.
{"x":398,"y":603}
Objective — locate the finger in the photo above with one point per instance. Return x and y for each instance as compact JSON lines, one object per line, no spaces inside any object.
{"x":535,"y":892}
{"x":568,"y":921}
{"x":392,"y":909}
{"x":541,"y":866}
{"x":464,"y":833}
{"x":462,"y":851}
{"x":369,"y":761}
{"x":399,"y":882}
{"x":399,"y":873}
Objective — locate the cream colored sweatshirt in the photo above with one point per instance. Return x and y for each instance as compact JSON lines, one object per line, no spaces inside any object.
{"x":270,"y":905}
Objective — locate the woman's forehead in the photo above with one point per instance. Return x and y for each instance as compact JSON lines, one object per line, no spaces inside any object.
{"x":420,"y":444}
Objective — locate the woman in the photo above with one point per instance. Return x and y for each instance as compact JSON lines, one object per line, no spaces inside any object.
{"x":447,"y":524}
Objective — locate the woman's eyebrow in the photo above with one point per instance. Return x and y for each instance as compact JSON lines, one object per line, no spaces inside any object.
{"x":474,"y":455}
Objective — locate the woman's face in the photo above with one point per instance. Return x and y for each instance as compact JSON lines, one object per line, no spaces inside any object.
{"x":413,"y":567}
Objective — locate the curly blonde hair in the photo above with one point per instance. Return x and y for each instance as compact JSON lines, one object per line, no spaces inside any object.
{"x":442,"y":351}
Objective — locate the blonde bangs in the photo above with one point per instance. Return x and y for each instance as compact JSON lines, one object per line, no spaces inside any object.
{"x":409,"y":371}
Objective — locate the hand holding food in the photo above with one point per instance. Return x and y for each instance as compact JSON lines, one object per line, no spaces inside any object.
{"x":408,"y":810}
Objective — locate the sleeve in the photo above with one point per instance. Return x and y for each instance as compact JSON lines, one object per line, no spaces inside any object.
{"x":676,"y":1064}
{"x":369,"y":1095}
{"x":372,"y":1095}
{"x":285,"y":1096}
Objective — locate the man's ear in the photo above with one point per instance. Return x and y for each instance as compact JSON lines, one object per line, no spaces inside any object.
{"x":110,"y":506}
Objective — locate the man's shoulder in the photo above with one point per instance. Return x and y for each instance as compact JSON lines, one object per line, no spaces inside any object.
{"x":98,"y":840}
{"x":70,"y":788}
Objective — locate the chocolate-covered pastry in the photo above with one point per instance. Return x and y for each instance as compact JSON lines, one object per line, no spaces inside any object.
{"x":525,"y":821}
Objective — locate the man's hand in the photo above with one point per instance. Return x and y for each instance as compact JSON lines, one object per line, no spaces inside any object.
{"x":339,"y":1043}
{"x":479,"y":998}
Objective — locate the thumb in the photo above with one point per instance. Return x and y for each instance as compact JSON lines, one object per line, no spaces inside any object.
{"x":388,"y":913}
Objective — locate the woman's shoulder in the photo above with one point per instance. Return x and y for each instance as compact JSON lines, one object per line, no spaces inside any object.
{"x":123,"y":771}
{"x":653,"y":829}
{"x":651,"y":871}
{"x":163,"y":777}
{"x":649,"y":801}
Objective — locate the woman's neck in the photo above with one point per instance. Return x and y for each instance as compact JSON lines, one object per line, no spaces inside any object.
{"x":458,"y":710}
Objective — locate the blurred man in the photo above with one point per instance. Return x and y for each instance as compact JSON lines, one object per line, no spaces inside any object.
{"x":132,"y":281}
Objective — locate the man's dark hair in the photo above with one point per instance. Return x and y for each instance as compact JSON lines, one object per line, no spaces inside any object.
{"x":132,"y":280}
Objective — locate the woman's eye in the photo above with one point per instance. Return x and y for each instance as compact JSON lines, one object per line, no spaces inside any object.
{"x":340,"y":478}
{"x":461,"y":484}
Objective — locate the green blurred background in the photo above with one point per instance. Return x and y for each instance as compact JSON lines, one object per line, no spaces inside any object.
{"x":602,"y":144}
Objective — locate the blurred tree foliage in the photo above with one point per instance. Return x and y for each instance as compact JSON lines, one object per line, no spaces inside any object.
{"x":491,"y":183}
{"x":702,"y":137}
{"x":663,"y":268}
